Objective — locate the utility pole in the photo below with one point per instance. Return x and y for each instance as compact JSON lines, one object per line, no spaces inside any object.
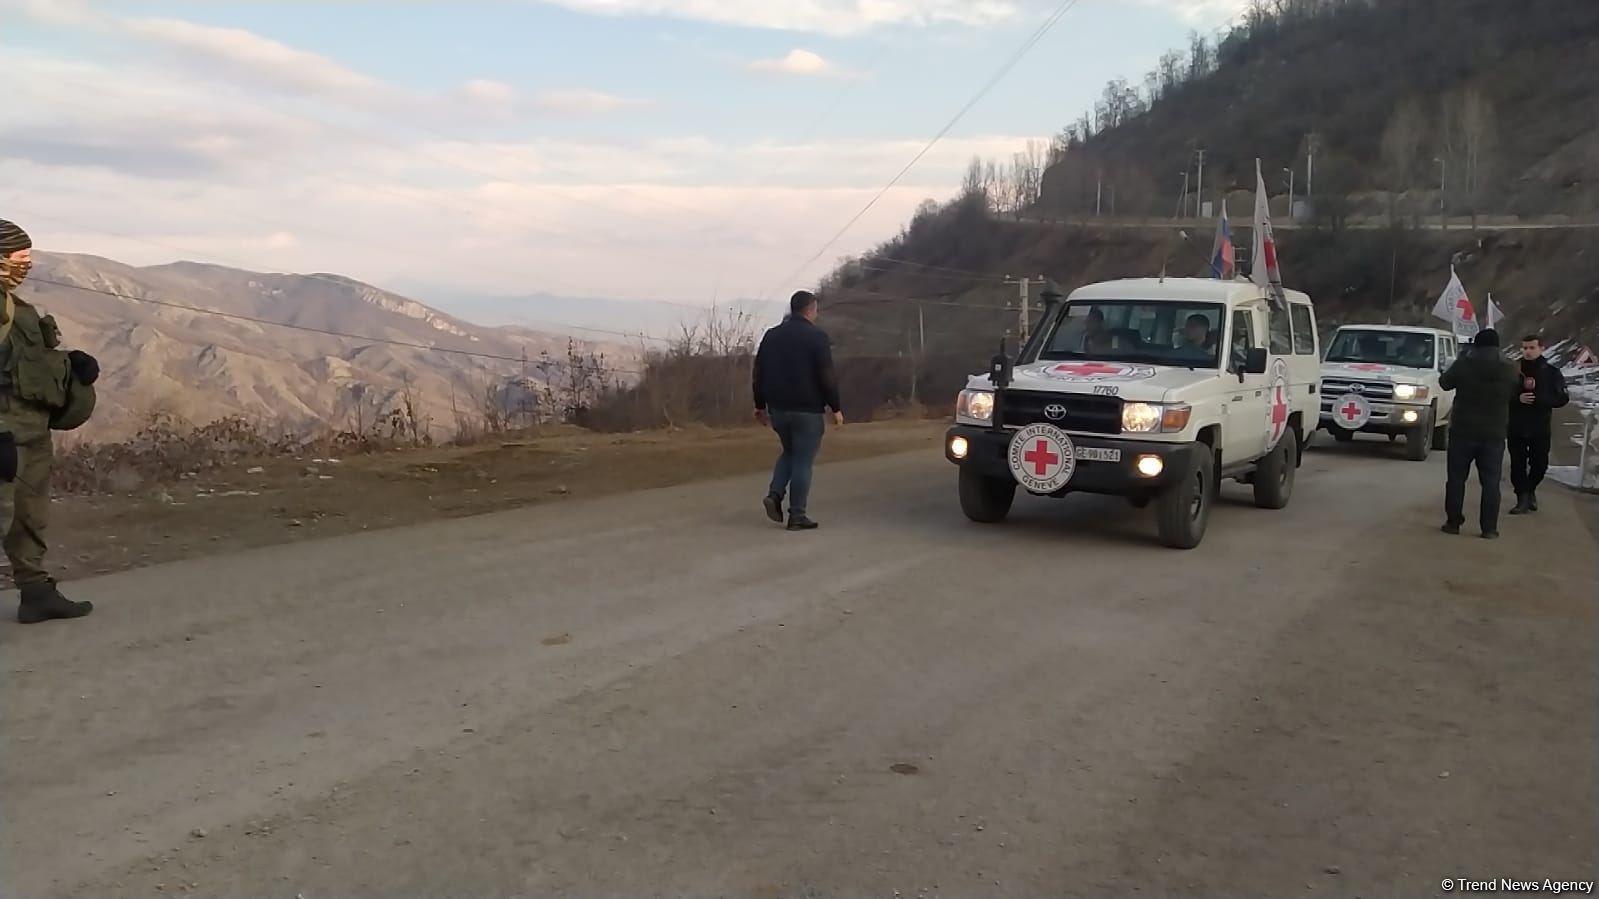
{"x":1310,"y":165}
{"x":1182,"y":200}
{"x":1443,"y":193}
{"x":921,"y":350}
{"x":1199,"y":189}
{"x":1290,"y":172}
{"x":1026,"y":294}
{"x":1099,"y":193}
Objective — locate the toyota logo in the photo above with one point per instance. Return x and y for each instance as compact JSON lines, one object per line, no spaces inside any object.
{"x":1357,"y":388}
{"x":1054,"y":412}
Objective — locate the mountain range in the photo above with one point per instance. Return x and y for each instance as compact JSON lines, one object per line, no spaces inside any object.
{"x":297,"y":352}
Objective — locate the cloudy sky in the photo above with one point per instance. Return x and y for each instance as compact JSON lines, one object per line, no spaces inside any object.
{"x":665,"y":149}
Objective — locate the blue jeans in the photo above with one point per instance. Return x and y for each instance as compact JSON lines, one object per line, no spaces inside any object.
{"x":801,"y":436}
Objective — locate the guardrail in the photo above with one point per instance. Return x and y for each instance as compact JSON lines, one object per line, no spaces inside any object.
{"x":1585,"y":476}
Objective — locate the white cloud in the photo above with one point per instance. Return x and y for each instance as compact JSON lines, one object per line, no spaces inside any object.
{"x":151,"y":166}
{"x":798,"y":62}
{"x":1202,"y":12}
{"x":581,"y":102}
{"x":261,"y":63}
{"x":831,"y":17}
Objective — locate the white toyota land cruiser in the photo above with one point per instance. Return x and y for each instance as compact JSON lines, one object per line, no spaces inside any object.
{"x":1383,"y":379}
{"x":1152,"y":389}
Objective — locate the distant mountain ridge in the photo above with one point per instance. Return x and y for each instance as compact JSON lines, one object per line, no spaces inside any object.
{"x":271,"y":347}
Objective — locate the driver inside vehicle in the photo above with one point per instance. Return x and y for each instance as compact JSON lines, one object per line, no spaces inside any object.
{"x":1197,"y":334}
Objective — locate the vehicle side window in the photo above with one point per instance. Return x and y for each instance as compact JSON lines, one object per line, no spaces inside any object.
{"x":1282,"y":341}
{"x":1304,"y":330}
{"x":1244,"y":338}
{"x":1446,"y":353}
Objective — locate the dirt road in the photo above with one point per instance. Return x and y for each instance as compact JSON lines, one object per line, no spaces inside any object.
{"x":660,"y":693}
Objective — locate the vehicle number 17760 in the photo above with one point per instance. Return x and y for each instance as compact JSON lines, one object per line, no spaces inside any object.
{"x":1107,"y":390}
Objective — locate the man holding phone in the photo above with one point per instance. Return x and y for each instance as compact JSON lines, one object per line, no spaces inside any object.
{"x":1543,"y":390}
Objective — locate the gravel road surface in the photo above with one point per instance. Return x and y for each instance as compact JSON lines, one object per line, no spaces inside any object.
{"x":661,"y":693}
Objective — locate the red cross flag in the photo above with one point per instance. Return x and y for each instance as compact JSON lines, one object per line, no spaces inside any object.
{"x":1454,"y":306}
{"x":1263,"y":267}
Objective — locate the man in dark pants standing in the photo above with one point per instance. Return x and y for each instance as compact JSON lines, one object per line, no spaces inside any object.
{"x":1484,"y":383}
{"x":794,"y":386}
{"x":1543,"y":390}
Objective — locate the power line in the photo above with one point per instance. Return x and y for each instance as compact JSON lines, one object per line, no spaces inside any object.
{"x":1038,"y":35}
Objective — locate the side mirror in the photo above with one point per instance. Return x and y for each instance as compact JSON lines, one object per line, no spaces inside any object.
{"x":1255,"y":362}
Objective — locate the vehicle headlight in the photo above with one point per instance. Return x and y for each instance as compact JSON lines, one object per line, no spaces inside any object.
{"x":977,"y":405}
{"x":1154,"y":418}
{"x":1409,"y":392}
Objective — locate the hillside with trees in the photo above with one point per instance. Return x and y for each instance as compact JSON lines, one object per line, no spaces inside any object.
{"x":1388,"y":100}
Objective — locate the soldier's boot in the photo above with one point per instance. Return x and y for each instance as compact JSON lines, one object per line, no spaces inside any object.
{"x":43,"y":602}
{"x":1532,"y":500}
{"x":1523,"y":506}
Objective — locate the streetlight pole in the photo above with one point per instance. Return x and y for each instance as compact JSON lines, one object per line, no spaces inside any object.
{"x":1290,"y":172}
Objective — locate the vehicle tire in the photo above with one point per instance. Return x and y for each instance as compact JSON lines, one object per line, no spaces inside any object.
{"x":1183,"y":509}
{"x":1440,"y":437}
{"x":1418,"y":441}
{"x":1341,"y":435}
{"x":985,"y":500}
{"x":1274,"y":476}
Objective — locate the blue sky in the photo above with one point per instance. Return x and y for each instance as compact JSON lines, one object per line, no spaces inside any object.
{"x":671,"y":149}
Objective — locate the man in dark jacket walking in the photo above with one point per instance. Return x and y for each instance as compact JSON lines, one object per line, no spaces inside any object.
{"x":1543,"y":390}
{"x":794,"y":386}
{"x":1484,"y":383}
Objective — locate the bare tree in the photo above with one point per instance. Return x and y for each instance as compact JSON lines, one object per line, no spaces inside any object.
{"x":1401,"y":150}
{"x":1201,"y":56}
{"x":1479,"y":125}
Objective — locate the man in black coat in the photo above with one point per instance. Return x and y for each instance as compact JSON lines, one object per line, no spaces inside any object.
{"x":1484,"y":383}
{"x":795,"y":384}
{"x":1543,"y":390}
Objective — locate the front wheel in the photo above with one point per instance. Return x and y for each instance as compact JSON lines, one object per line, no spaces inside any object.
{"x":1183,"y":510}
{"x":985,"y":500}
{"x":1274,"y":476}
{"x":1341,"y":435}
{"x":1418,"y":441}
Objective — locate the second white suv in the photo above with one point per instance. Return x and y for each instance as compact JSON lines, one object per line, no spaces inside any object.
{"x":1383,"y":379}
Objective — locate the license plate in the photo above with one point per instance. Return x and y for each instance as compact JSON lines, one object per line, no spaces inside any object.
{"x":1096,"y":454}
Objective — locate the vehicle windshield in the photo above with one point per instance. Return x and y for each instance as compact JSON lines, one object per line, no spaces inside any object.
{"x":1382,"y":348}
{"x":1186,"y":335}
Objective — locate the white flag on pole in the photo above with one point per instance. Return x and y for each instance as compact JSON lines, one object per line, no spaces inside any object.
{"x":1454,"y":306}
{"x":1263,"y":267}
{"x":1495,"y":314}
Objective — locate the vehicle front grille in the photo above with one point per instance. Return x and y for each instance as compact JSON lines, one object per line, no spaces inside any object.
{"x":1086,"y":414}
{"x":1371,"y":390}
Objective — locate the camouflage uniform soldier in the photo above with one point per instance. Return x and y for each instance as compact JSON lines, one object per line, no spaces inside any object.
{"x":42,"y":388}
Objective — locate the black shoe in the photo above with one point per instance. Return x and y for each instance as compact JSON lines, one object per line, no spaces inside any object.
{"x":1490,"y":535}
{"x":1451,"y":529}
{"x":43,"y":602}
{"x":774,"y":507}
{"x":802,"y":523}
{"x":1532,"y":501}
{"x":1523,"y":506}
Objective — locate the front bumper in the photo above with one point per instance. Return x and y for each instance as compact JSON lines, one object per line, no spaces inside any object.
{"x":987,"y":449}
{"x":1387,"y":417}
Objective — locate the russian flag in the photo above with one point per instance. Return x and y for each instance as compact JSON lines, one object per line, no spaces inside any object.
{"x":1221,"y":252}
